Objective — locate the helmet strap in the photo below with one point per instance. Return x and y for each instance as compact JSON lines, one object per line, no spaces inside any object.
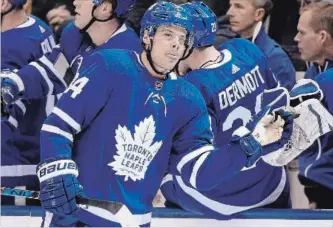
{"x":93,"y":19}
{"x":150,"y":59}
{"x":7,"y":12}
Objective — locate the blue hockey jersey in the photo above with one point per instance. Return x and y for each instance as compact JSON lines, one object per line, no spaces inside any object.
{"x":233,"y":93}
{"x":42,"y":78}
{"x":20,"y":133}
{"x":125,"y":129}
{"x":316,"y":162}
{"x":25,"y":43}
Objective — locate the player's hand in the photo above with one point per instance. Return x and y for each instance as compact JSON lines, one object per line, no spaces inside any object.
{"x":265,"y":133}
{"x":278,"y":131}
{"x":303,"y":90}
{"x":11,"y":88}
{"x":269,"y":129}
{"x":57,"y":16}
{"x":59,"y":186}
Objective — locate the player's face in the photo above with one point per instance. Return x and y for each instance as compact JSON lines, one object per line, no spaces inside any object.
{"x":310,"y":43}
{"x":241,"y":15}
{"x":168,"y":46}
{"x":83,"y":9}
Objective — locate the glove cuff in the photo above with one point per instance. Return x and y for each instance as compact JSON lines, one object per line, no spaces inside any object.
{"x":48,"y":170}
{"x":252,"y":148}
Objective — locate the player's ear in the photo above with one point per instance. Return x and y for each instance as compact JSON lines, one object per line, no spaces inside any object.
{"x":146,"y":39}
{"x":259,"y":14}
{"x":324,"y":36}
{"x":107,"y":9}
{"x":4,"y":5}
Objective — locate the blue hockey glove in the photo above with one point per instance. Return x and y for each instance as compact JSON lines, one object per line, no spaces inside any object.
{"x":276,"y":98}
{"x":265,"y":133}
{"x":59,"y":186}
{"x":11,"y":87}
{"x":303,"y":90}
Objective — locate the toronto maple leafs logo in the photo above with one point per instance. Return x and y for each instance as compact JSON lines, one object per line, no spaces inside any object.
{"x":134,"y":154}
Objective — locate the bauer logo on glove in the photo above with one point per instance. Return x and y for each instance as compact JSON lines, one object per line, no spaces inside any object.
{"x":55,"y":168}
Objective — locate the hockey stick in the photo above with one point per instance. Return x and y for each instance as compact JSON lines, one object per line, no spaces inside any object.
{"x":119,"y":210}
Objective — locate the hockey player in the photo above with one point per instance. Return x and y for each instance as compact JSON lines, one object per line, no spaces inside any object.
{"x":232,"y":80}
{"x":98,"y":24}
{"x":315,"y":43}
{"x":127,"y":119}
{"x":46,"y":76}
{"x":23,"y":39}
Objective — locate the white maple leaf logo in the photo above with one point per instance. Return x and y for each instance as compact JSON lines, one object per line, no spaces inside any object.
{"x":134,"y":154}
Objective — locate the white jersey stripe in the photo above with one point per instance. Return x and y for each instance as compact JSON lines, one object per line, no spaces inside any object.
{"x":60,"y":73}
{"x":69,"y":120}
{"x":197,"y":165}
{"x":13,"y":121}
{"x":193,"y":155}
{"x":58,"y":131}
{"x":42,"y":71}
{"x":21,"y":106}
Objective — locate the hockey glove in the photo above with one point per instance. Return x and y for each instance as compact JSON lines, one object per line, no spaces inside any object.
{"x":264,"y":133}
{"x":303,"y":90}
{"x":313,"y":121}
{"x":276,"y":98}
{"x":11,"y":87}
{"x":59,"y":186}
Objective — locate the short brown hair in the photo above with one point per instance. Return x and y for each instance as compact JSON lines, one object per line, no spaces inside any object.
{"x":322,"y":16}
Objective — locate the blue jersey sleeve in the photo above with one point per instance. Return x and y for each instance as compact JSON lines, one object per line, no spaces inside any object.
{"x":46,"y":76}
{"x":195,"y":158}
{"x":52,"y":73}
{"x":80,"y":104}
{"x":10,"y":123}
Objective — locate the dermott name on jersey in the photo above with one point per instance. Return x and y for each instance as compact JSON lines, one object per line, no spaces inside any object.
{"x":246,"y":85}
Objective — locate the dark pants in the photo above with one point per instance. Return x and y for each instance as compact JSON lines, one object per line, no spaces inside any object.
{"x":317,"y":193}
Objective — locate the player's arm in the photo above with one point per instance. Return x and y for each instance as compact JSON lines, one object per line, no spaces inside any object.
{"x":15,"y":114}
{"x":50,"y":74}
{"x":203,"y":166}
{"x":75,"y":110}
{"x":10,"y":121}
{"x":38,"y":79}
